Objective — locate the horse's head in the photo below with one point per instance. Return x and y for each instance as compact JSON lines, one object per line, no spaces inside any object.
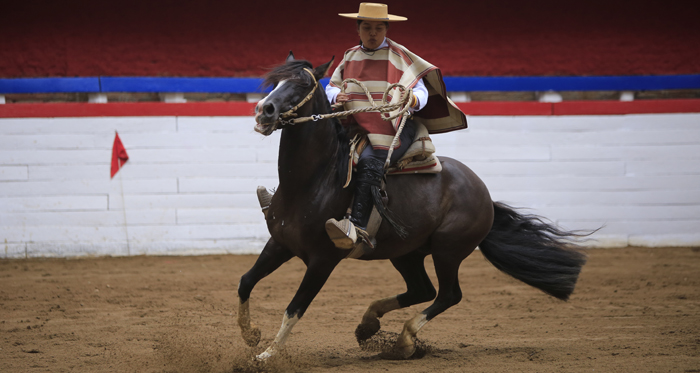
{"x":294,"y":82}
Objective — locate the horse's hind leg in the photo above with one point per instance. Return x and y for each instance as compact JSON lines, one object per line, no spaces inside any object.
{"x":449,"y":294}
{"x":419,"y":289}
{"x":271,"y":258}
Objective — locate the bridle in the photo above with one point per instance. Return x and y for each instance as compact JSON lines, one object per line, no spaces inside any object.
{"x":287,"y":118}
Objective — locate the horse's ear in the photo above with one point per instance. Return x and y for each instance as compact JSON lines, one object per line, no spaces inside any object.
{"x":322,"y":70}
{"x":290,"y":57}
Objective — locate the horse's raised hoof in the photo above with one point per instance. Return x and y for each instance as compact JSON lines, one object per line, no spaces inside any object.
{"x":251,"y":336}
{"x":366,"y":330}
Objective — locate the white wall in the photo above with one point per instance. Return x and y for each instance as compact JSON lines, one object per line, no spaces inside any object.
{"x":639,"y":175}
{"x":189,"y":185}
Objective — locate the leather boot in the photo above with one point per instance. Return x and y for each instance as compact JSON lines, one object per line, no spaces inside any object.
{"x":347,"y":232}
{"x":369,"y":174}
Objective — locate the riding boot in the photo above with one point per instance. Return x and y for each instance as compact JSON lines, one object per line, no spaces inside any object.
{"x":347,"y":232}
{"x":369,"y":174}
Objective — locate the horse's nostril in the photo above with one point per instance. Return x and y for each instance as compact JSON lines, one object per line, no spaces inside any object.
{"x":269,"y":109}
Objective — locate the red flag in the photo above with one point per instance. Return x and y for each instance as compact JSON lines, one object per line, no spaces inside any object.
{"x":119,"y":156}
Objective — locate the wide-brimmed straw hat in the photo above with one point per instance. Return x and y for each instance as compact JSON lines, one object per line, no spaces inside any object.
{"x":373,"y":12}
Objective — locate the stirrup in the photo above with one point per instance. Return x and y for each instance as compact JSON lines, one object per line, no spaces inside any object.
{"x":342,"y":233}
{"x":265,"y":199}
{"x":363,"y":237}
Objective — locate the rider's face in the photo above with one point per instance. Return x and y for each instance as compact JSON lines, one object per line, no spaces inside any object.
{"x":371,"y":33}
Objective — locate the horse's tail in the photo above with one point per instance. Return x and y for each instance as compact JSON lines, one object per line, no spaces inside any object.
{"x":534,"y":251}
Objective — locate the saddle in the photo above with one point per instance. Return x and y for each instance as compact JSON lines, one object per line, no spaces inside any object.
{"x":419,"y":158}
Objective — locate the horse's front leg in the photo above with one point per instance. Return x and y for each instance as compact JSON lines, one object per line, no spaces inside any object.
{"x":271,"y":258}
{"x":317,"y":272}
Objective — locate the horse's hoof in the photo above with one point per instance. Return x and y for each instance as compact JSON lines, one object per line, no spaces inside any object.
{"x":251,"y":336}
{"x":263,"y":357}
{"x":267,"y":354}
{"x":404,"y":351}
{"x":366,"y":330}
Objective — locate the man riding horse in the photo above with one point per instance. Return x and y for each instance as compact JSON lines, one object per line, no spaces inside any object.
{"x":379,"y":62}
{"x":450,"y":213}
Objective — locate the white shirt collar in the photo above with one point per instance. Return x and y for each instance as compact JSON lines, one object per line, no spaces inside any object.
{"x":383,"y":45}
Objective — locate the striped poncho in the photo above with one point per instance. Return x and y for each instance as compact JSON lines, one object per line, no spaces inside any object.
{"x":377,"y":70}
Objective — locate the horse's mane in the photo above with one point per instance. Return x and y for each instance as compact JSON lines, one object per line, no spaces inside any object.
{"x":293,"y":71}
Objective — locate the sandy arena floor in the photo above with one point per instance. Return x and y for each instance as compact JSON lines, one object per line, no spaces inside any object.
{"x":634,"y":310}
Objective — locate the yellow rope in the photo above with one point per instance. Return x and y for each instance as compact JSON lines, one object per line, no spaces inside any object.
{"x":404,"y":104}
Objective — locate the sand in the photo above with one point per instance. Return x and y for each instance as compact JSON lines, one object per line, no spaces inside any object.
{"x":634,"y":309}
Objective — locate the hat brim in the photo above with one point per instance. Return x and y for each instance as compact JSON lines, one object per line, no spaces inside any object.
{"x":392,"y":18}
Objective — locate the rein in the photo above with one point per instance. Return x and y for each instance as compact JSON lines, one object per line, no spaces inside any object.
{"x":384,"y":109}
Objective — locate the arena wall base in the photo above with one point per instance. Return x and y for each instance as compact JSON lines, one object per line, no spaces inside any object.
{"x":667,"y":240}
{"x":116,"y":249}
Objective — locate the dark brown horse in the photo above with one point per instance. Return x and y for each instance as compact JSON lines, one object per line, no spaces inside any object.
{"x":447,"y":215}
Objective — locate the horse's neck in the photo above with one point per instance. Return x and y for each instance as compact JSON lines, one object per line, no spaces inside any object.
{"x":307,"y":152}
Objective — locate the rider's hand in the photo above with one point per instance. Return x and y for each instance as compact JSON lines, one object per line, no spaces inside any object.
{"x":342,"y":97}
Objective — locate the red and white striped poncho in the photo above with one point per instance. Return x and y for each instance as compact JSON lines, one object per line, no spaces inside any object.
{"x":377,"y":70}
